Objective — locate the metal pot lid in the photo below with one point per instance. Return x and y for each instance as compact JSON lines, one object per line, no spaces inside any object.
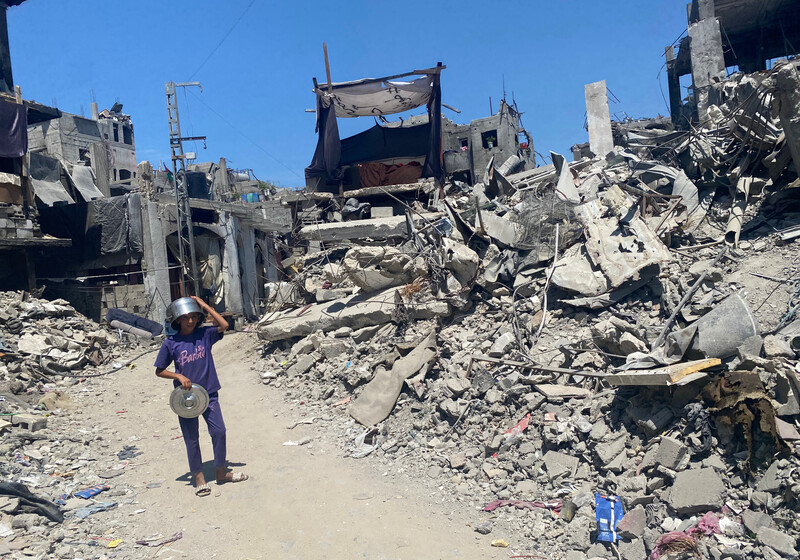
{"x":189,"y":404}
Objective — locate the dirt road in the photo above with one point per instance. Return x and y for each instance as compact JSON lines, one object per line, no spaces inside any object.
{"x":300,"y":502}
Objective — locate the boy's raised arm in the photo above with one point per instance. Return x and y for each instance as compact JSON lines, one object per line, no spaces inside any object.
{"x":216,"y":318}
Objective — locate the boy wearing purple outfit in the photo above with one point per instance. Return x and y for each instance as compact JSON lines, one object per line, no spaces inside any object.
{"x":190,"y":351}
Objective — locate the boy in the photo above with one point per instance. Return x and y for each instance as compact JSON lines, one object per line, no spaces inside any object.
{"x":190,"y":351}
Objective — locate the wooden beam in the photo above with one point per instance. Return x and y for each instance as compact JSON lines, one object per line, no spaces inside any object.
{"x":327,"y":66}
{"x":675,"y":374}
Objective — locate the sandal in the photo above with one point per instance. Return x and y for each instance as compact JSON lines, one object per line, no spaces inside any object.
{"x":202,"y":490}
{"x":235,"y":477}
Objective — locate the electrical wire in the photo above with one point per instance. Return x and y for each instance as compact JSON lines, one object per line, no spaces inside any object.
{"x":245,"y":136}
{"x":235,"y":23}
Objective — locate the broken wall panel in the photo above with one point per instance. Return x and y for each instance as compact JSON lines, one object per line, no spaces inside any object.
{"x":601,"y":140}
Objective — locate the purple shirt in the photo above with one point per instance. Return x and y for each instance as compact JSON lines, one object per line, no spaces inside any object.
{"x":192,"y":357}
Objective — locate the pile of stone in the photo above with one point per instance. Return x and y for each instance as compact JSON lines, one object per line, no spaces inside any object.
{"x":42,"y":341}
{"x":48,"y":454}
{"x":579,"y":329}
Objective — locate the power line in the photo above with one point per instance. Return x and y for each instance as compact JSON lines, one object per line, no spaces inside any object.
{"x":235,"y":23}
{"x":245,"y":136}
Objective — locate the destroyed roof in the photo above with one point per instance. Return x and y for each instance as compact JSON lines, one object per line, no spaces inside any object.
{"x":772,"y":27}
{"x":36,"y":111}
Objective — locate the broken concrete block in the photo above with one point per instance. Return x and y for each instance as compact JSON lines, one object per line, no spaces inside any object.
{"x":560,"y":464}
{"x":355,"y":312}
{"x":780,"y":542}
{"x":671,"y":453}
{"x":632,"y":488}
{"x":575,"y":272}
{"x":493,"y":396}
{"x":342,"y":332}
{"x":696,"y":490}
{"x":770,"y":482}
{"x":378,"y":398}
{"x":619,"y":252}
{"x":381,"y":212}
{"x":761,"y":500}
{"x":462,"y":261}
{"x":557,"y":393}
{"x":375,"y":268}
{"x":754,"y":520}
{"x":777,"y":347}
{"x":29,"y":422}
{"x":628,"y":344}
{"x":334,"y":272}
{"x":502,"y":345}
{"x":323,"y":295}
{"x":302,"y":365}
{"x":510,"y":380}
{"x":607,"y":452}
{"x":457,"y":460}
{"x":452,"y":408}
{"x":366,"y":333}
{"x":458,"y":385}
{"x":577,"y":533}
{"x":632,"y":550}
{"x":375,"y":228}
{"x":305,"y":345}
{"x":633,"y":523}
{"x":331,"y":348}
{"x":502,"y":230}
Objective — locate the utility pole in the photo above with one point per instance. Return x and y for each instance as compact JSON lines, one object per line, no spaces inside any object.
{"x":183,"y":211}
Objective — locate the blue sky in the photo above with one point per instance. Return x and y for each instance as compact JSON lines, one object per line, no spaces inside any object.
{"x":257,"y":82}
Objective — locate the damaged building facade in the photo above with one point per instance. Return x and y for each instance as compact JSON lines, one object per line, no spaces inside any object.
{"x":97,"y":229}
{"x":128,"y":256}
{"x":619,"y":331}
{"x":607,"y":347}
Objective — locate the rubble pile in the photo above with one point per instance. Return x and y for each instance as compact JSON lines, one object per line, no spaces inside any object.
{"x":43,"y":341}
{"x":545,"y":343}
{"x":47,"y":347}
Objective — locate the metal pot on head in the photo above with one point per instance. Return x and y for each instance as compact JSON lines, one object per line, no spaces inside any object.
{"x":182,"y":306}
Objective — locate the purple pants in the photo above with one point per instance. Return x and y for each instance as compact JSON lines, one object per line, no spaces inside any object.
{"x":216,"y":429}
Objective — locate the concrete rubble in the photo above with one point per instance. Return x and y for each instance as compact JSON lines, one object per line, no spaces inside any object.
{"x":624,"y":326}
{"x":525,"y":341}
{"x":48,"y":351}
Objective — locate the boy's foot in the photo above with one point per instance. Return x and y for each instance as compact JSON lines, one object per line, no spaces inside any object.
{"x":202,"y":490}
{"x":232,"y":477}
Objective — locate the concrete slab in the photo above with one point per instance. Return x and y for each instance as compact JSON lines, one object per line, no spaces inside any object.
{"x":356,"y":312}
{"x":696,"y":490}
{"x":601,"y":140}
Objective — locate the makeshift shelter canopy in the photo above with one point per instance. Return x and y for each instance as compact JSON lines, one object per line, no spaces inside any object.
{"x":375,"y":97}
{"x":370,"y":97}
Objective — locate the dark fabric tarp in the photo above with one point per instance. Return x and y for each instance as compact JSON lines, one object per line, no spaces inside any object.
{"x":102,"y":227}
{"x":44,"y":168}
{"x":331,"y":152}
{"x":30,"y":502}
{"x":380,"y":142}
{"x":13,"y":130}
{"x":120,"y":221}
{"x":328,"y":150}
{"x":45,"y":173}
{"x":433,"y":163}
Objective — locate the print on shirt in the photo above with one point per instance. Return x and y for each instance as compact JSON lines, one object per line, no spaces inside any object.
{"x":185,"y":357}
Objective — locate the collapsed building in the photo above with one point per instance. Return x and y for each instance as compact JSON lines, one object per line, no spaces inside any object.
{"x":376,"y":171}
{"x":588,"y":335}
{"x":619,"y":333}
